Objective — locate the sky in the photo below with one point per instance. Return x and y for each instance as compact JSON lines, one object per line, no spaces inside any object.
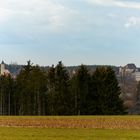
{"x":102,"y":32}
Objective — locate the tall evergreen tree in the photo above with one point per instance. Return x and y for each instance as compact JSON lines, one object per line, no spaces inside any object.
{"x":59,"y":94}
{"x":51,"y":91}
{"x":81,"y":88}
{"x":107,"y":92}
{"x":38,"y":86}
{"x":6,"y":94}
{"x":22,"y":94}
{"x":31,"y":91}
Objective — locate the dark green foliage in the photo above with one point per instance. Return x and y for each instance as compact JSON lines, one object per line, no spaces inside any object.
{"x":96,"y":94}
{"x":51,"y":90}
{"x":80,"y":89}
{"x":106,"y":92}
{"x":31,"y":91}
{"x":58,"y":90}
{"x":55,"y":92}
{"x":6,"y":95}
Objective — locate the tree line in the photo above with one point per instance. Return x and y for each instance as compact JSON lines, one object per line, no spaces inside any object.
{"x":56,"y":92}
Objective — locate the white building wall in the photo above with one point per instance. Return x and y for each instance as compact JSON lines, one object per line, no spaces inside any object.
{"x":137,"y":76}
{"x":2,"y":69}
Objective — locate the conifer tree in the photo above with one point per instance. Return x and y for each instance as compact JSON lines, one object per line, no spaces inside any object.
{"x":81,"y":88}
{"x":107,"y":92}
{"x":59,"y":94}
{"x":31,"y":91}
{"x":6,"y":94}
{"x":51,"y":91}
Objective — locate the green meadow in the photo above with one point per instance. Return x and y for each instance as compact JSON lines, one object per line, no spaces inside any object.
{"x":67,"y":134}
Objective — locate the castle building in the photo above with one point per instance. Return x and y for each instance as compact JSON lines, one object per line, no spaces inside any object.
{"x":130,"y":71}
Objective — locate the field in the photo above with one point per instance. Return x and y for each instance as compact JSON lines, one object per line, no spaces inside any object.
{"x":67,"y":134}
{"x":70,"y":128}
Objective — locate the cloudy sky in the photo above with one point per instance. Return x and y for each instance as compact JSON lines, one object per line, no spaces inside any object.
{"x":74,"y":31}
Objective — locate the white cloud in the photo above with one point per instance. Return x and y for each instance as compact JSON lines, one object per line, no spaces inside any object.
{"x":41,"y":13}
{"x":133,"y":21}
{"x":116,"y":3}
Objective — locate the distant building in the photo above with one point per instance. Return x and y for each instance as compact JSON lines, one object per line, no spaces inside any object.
{"x":130,"y":71}
{"x":131,"y":68}
{"x":3,"y":70}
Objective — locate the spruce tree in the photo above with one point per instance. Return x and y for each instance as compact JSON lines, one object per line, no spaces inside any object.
{"x":6,"y":95}
{"x":80,"y":89}
{"x":51,"y":97}
{"x":107,"y":92}
{"x":31,"y":91}
{"x":59,"y":94}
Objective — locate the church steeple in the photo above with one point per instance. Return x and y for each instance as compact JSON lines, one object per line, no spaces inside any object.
{"x":2,"y":69}
{"x":2,"y":62}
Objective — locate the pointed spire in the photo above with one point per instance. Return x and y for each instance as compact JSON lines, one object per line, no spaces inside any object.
{"x":2,"y":62}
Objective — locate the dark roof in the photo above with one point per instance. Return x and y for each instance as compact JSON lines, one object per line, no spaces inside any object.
{"x":131,"y":66}
{"x":2,"y":62}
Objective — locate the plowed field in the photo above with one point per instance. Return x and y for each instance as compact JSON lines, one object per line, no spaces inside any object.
{"x":96,"y":122}
{"x":70,"y":128}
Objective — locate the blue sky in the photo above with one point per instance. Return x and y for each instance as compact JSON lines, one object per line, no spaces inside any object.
{"x":74,"y":31}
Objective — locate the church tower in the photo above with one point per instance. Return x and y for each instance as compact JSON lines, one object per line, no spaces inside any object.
{"x":2,"y":68}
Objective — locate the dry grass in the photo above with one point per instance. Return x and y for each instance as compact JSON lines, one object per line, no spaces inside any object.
{"x":95,"y":122}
